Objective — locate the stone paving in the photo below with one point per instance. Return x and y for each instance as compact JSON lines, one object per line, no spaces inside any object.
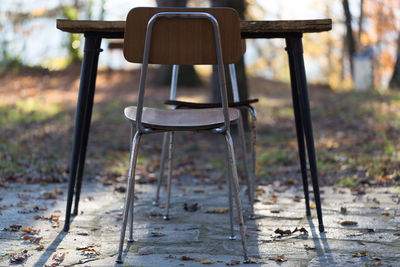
{"x":371,"y":237}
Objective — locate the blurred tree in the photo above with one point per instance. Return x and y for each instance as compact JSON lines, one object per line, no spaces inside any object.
{"x":240,"y":7}
{"x":395,"y":80}
{"x":187,"y":74}
{"x":351,"y":44}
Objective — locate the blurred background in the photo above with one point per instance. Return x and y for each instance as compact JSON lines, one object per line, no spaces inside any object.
{"x":365,"y":37}
{"x":353,"y":73}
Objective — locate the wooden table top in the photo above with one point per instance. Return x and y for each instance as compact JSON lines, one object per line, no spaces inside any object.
{"x":248,"y":28}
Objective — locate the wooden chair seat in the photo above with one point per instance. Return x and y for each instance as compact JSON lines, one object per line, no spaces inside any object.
{"x":181,"y":120}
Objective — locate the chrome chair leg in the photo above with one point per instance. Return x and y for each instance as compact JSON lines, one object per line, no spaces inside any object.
{"x":249,"y":176}
{"x":235,"y":182}
{"x":230,"y":200}
{"x":161,"y":171}
{"x":129,"y":198}
{"x":170,"y":154}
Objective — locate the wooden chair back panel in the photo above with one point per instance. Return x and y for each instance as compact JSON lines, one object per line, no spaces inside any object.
{"x":189,"y":43}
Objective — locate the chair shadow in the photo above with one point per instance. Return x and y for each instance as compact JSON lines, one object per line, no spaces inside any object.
{"x":323,"y":250}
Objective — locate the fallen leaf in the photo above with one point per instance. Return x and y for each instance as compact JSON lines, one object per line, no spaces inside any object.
{"x":291,"y":181}
{"x":120,"y":189}
{"x":49,"y":195}
{"x":157,"y":234}
{"x":30,"y":231}
{"x":59,"y":257}
{"x":186,"y":258}
{"x":223,"y":210}
{"x":206,"y":261}
{"x":303,"y":230}
{"x":198,"y":191}
{"x":13,"y":228}
{"x":357,"y":191}
{"x":283,"y":232}
{"x":343,"y":210}
{"x":397,"y":234}
{"x":296,"y":198}
{"x":19,"y":257}
{"x":146,"y":252}
{"x":281,"y":258}
{"x":386,"y":213}
{"x":154,"y":214}
{"x":346,"y":223}
{"x":312,"y":206}
{"x":40,"y":247}
{"x":90,"y":252}
{"x":191,"y":207}
{"x":233,"y":263}
{"x":32,"y":239}
{"x":274,"y":198}
{"x":85,"y":247}
{"x":307,"y":247}
{"x":170,"y":257}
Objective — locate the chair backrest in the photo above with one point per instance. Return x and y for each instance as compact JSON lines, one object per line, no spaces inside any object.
{"x":189,"y":43}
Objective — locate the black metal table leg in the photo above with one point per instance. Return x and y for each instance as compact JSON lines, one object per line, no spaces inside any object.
{"x":300,"y":136}
{"x":87,"y":119}
{"x":298,"y":76}
{"x":90,"y":59}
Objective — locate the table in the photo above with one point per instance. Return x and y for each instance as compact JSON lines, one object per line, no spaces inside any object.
{"x":290,"y":30}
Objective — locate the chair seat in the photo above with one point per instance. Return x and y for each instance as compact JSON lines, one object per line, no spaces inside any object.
{"x":181,"y":119}
{"x":185,"y":104}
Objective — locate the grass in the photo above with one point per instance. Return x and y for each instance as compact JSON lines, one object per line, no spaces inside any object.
{"x":356,"y":134}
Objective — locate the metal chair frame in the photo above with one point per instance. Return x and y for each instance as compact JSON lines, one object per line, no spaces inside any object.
{"x":250,"y":175}
{"x":142,"y":130}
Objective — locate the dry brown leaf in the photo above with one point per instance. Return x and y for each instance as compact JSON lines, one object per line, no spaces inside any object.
{"x":386,"y":213}
{"x":146,"y":252}
{"x":233,"y":263}
{"x":343,"y":210}
{"x":154,"y":214}
{"x":218,"y":211}
{"x":186,"y":258}
{"x":282,"y":232}
{"x":191,"y":207}
{"x":19,"y":257}
{"x":206,"y":261}
{"x":296,"y":198}
{"x":347,"y":223}
{"x":30,"y":231}
{"x":281,"y":258}
{"x":157,"y":234}
{"x":312,"y":206}
{"x":397,"y":234}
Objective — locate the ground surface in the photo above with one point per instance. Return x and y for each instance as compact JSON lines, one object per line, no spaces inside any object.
{"x":196,"y":238}
{"x":357,"y":143}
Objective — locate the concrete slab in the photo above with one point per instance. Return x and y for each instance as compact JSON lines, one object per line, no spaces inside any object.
{"x":198,"y":238}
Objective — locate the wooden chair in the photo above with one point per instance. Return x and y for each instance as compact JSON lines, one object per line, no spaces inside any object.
{"x":181,"y":37}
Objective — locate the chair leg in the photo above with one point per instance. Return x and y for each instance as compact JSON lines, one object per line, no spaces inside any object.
{"x":161,"y":171}
{"x":253,"y":143}
{"x":170,"y":152}
{"x":249,"y":176}
{"x":129,"y":198}
{"x":235,"y":182}
{"x":230,"y":200}
{"x":301,"y":148}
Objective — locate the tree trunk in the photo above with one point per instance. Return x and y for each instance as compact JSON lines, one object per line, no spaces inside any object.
{"x":240,"y":7}
{"x":351,"y":45}
{"x":187,"y":74}
{"x":395,"y":80}
{"x":360,"y":22}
